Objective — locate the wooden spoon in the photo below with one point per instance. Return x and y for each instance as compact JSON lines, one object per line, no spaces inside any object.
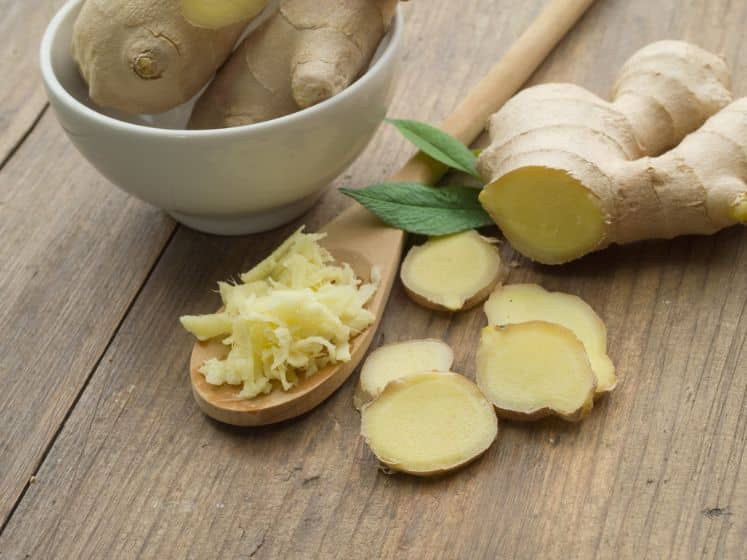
{"x":360,"y":239}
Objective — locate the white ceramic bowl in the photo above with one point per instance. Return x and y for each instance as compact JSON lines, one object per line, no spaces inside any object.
{"x":228,"y":181}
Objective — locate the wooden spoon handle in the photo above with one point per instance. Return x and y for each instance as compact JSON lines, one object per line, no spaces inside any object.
{"x":503,"y":80}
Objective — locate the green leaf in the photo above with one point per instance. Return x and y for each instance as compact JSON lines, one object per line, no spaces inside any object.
{"x":438,"y":144}
{"x":421,"y":209}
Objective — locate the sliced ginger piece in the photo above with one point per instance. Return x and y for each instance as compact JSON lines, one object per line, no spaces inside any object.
{"x":535,"y":369}
{"x":216,"y":14}
{"x":429,"y":423}
{"x":452,"y":272}
{"x":518,"y":303}
{"x":395,"y":361}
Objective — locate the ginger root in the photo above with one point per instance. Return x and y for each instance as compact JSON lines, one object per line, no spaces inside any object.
{"x":395,"y":361}
{"x":215,"y":14}
{"x":568,"y":173}
{"x":535,"y":369}
{"x":143,"y":56}
{"x":429,"y":423}
{"x":519,"y":303}
{"x":308,"y":51}
{"x":452,"y":272}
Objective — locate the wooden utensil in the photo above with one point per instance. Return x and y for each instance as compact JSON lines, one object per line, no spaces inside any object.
{"x":360,"y":239}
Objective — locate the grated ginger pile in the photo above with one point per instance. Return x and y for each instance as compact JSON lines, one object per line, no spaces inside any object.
{"x":291,"y":315}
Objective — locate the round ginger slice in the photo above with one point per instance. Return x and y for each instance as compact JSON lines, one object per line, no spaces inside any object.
{"x":452,"y":272}
{"x":428,"y":424}
{"x":535,"y":369}
{"x":518,"y":303}
{"x":395,"y":361}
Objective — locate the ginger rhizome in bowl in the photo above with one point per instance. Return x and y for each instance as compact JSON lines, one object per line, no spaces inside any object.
{"x":293,"y":314}
{"x":305,"y":53}
{"x":144,"y":56}
{"x":150,"y":56}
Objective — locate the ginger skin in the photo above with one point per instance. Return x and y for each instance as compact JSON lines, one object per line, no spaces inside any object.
{"x":308,"y":51}
{"x":143,"y":56}
{"x":568,"y":173}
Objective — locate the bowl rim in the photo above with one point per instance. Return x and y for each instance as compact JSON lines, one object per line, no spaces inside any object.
{"x":61,"y":94}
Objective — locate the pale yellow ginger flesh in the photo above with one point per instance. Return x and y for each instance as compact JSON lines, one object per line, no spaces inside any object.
{"x":535,"y":369}
{"x":452,"y":272}
{"x":568,"y":173}
{"x":144,"y":56}
{"x":293,"y":314}
{"x":214,"y":14}
{"x":395,"y":361}
{"x":429,"y":423}
{"x":519,"y":303}
{"x":306,"y":52}
{"x":567,"y":221}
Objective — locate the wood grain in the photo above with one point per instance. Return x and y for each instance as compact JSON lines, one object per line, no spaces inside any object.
{"x":22,"y":97}
{"x":74,"y":253}
{"x":657,"y":471}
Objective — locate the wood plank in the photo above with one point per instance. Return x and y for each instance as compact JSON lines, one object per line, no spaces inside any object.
{"x":657,"y":471}
{"x":22,"y":96}
{"x":74,"y":253}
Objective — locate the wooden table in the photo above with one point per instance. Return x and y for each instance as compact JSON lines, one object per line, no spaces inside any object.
{"x":103,"y":453}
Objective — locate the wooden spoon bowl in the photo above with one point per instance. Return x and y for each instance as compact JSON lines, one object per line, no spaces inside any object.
{"x":355,"y":237}
{"x":360,"y":239}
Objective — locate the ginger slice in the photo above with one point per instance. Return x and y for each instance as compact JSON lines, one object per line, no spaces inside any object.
{"x":518,"y":303}
{"x":535,"y":369}
{"x":398,"y":360}
{"x":429,"y":423}
{"x":216,"y":14}
{"x":452,"y":272}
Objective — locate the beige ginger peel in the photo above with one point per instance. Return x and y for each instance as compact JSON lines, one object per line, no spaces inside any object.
{"x":308,"y":51}
{"x":568,"y":173}
{"x":145,"y":56}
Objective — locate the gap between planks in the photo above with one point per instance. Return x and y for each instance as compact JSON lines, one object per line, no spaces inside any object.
{"x":22,"y":139}
{"x":97,"y":362}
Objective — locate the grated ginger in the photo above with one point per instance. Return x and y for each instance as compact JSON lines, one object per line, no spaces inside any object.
{"x":291,"y":315}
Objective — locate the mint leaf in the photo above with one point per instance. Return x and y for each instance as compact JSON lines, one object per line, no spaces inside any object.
{"x":438,"y":144}
{"x":423,"y":210}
